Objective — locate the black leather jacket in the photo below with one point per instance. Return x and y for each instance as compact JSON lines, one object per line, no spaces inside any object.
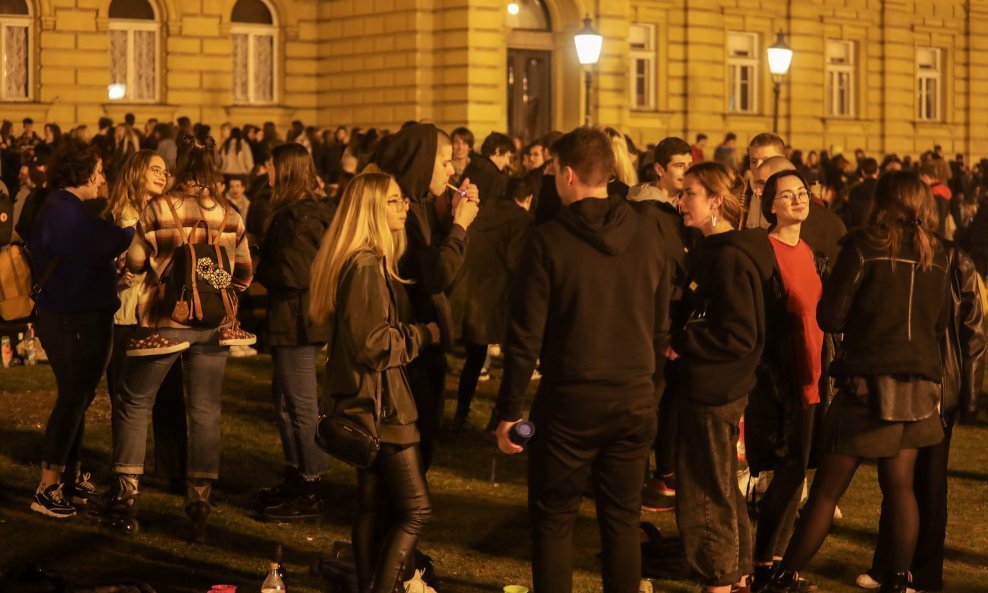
{"x":962,"y":346}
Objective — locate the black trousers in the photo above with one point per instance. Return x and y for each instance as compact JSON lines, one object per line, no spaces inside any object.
{"x":393,"y":506}
{"x":472,"y":366}
{"x":427,"y":378}
{"x":607,"y":440}
{"x":78,"y":348}
{"x":779,"y":506}
{"x":711,"y":512}
{"x":930,"y":486}
{"x":168,"y":416}
{"x":665,"y":440}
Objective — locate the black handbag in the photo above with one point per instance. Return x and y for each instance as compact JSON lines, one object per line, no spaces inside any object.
{"x":347,"y":440}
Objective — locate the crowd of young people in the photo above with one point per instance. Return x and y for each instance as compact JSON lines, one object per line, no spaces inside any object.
{"x":662,"y":300}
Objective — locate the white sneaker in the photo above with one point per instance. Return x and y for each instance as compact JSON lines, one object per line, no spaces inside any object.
{"x":494,"y":351}
{"x":485,"y":376}
{"x":242,"y":351}
{"x":536,"y":375}
{"x":865,"y":581}
{"x":838,"y":515}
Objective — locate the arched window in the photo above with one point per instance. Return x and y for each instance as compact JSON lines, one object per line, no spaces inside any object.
{"x":15,"y":50}
{"x":254,"y":52}
{"x":133,"y":51}
{"x":529,"y":15}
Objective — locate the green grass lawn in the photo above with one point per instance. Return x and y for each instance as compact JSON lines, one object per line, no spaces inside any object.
{"x":478,"y":539}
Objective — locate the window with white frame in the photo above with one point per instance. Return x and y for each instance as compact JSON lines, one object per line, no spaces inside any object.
{"x":254,"y":52}
{"x":642,"y":74}
{"x":742,"y":72}
{"x":133,"y":51}
{"x":15,"y":50}
{"x":929,"y":83}
{"x":840,"y":78}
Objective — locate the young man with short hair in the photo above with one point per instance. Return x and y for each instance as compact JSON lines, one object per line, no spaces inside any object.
{"x":697,"y":149}
{"x":727,"y":153}
{"x":591,"y":301}
{"x":488,"y":170}
{"x":763,"y":146}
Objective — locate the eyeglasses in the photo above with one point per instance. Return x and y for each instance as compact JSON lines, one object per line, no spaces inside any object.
{"x":398,"y":204}
{"x":800,"y":197}
{"x":158,"y":172}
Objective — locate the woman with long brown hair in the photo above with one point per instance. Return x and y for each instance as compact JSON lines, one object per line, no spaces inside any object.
{"x":294,"y":229}
{"x":720,"y":346}
{"x":193,"y":212}
{"x":886,"y":295}
{"x":143,"y":177}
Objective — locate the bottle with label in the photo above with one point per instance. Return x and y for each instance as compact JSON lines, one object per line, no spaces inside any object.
{"x":273,"y":582}
{"x":6,"y":352}
{"x":30,"y":355}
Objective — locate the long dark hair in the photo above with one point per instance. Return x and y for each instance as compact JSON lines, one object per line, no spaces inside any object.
{"x":195,"y":169}
{"x":903,"y":203}
{"x":295,"y":177}
{"x":235,"y":135}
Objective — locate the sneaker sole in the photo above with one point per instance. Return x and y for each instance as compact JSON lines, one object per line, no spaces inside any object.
{"x":293,"y":519}
{"x":239,"y":342}
{"x":159,"y":351}
{"x":40,"y":508}
{"x":655,"y":509}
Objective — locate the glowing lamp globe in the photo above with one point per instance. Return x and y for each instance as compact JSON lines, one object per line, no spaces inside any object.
{"x":588,"y":43}
{"x":117,"y":91}
{"x":513,"y":8}
{"x":779,"y":57}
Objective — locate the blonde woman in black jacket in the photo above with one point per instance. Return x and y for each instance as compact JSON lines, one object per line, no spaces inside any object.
{"x":886,"y":294}
{"x":354,"y":284}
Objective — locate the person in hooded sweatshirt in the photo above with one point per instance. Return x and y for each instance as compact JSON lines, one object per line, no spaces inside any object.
{"x":488,"y":170}
{"x":480,"y":294}
{"x":419,"y":157}
{"x":591,"y":300}
{"x":720,"y":346}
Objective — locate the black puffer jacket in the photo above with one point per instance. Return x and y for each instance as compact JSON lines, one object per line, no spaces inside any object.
{"x":290,"y":246}
{"x":723,"y":340}
{"x":963,"y":344}
{"x":892,"y":317}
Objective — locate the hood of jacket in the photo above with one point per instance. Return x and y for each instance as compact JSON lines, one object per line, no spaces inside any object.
{"x":752,"y":242}
{"x":607,"y":224}
{"x":410,"y":156}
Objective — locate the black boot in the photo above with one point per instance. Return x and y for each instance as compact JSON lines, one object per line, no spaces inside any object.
{"x":895,"y":582}
{"x":307,"y":505}
{"x":197,"y":507}
{"x":117,"y":507}
{"x":284,"y":491}
{"x":784,"y":581}
{"x":761,"y":577}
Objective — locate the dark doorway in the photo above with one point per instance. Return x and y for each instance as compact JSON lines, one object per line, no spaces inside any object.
{"x":529,"y":93}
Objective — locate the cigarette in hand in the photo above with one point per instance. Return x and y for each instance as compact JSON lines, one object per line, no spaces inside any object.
{"x":456,"y":189}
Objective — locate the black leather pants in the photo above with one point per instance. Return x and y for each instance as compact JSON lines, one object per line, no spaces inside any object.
{"x":393,"y":505}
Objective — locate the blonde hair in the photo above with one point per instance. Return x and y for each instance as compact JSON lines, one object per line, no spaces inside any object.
{"x":127,"y":191}
{"x":718,"y":180}
{"x":360,"y":224}
{"x":624,"y":171}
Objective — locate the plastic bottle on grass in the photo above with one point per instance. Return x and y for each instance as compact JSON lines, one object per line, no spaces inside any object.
{"x":30,"y":355}
{"x":273,"y":582}
{"x":6,"y":352}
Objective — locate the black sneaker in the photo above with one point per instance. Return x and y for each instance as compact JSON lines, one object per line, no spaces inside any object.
{"x":49,"y":501}
{"x":300,"y":508}
{"x":83,"y":489}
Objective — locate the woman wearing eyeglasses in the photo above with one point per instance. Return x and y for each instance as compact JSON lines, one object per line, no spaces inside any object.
{"x":145,"y":176}
{"x":296,"y":225}
{"x":886,"y":294}
{"x":781,"y":408}
{"x":355,"y":287}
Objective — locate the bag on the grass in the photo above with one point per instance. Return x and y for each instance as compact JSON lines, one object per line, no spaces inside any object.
{"x":15,"y":283}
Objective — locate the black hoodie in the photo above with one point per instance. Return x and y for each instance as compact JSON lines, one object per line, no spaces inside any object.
{"x":723,"y":340}
{"x":591,"y":301}
{"x":431,"y":259}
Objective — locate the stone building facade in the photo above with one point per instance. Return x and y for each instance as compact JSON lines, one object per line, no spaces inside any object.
{"x":883,"y":75}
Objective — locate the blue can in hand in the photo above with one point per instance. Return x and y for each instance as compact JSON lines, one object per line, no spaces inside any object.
{"x":521,"y":433}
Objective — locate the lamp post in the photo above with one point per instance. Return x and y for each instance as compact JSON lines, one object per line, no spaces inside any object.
{"x":779,"y":59}
{"x":588,"y":42}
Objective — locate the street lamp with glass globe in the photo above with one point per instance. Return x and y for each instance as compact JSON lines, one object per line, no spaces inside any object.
{"x":779,"y":59}
{"x":588,"y":43}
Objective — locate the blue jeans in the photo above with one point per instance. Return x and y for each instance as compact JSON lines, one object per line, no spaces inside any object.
{"x":296,"y":403}
{"x":78,"y":348}
{"x":203,"y":363}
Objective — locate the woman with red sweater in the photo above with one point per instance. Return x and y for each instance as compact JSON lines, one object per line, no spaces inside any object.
{"x":779,"y":418}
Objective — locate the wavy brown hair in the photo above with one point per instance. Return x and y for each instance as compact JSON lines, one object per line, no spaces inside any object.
{"x":295,"y":176}
{"x":128,"y":186}
{"x":904,"y":204}
{"x":196,"y":173}
{"x":718,"y":180}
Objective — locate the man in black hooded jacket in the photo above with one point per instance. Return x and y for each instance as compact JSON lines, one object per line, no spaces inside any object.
{"x":592,"y":301}
{"x":419,"y":158}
